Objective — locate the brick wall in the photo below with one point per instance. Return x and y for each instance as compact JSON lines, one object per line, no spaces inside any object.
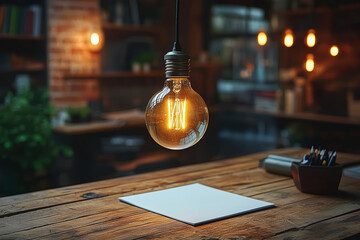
{"x":70,"y":23}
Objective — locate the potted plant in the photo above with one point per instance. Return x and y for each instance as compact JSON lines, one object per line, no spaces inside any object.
{"x":79,"y":114}
{"x":143,"y":61}
{"x":148,"y":58}
{"x":27,"y":146}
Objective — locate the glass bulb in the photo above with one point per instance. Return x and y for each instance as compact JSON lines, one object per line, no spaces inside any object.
{"x":176,"y":116}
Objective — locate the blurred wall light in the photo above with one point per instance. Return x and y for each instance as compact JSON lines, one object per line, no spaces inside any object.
{"x":96,"y":40}
{"x":262,"y":38}
{"x":289,"y":38}
{"x":311,"y":38}
{"x":310,"y":64}
{"x":334,"y":50}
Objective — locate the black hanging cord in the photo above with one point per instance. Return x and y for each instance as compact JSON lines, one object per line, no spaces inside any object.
{"x":177,"y":46}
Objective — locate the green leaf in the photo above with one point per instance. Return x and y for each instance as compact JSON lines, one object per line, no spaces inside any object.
{"x":7,"y":144}
{"x":38,"y":165}
{"x":21,"y":138}
{"x":26,"y":134}
{"x":67,"y":151}
{"x":37,"y":137}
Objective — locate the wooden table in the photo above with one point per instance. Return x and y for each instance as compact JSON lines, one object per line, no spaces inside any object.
{"x":71,"y":212}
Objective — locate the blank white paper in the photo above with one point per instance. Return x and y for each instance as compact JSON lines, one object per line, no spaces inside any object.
{"x":195,"y":204}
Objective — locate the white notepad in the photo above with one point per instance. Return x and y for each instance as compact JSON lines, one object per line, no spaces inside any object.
{"x":196,"y":204}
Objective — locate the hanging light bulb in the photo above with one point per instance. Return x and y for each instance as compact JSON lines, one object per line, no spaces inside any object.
{"x":289,"y":38}
{"x":176,"y":116}
{"x":310,"y":64}
{"x":262,"y":38}
{"x":334,"y":50}
{"x":311,"y":38}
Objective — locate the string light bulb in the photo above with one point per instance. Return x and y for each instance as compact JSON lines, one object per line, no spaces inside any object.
{"x":311,"y":38}
{"x":334,"y":50}
{"x":262,"y":38}
{"x":176,"y":116}
{"x":288,"y":38}
{"x":309,"y":64}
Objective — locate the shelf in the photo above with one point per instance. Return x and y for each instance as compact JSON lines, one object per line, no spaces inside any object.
{"x":233,"y":35}
{"x":23,"y":70}
{"x":319,"y":10}
{"x":21,"y":37}
{"x":297,"y":115}
{"x":99,"y":126}
{"x":114,"y":75}
{"x":132,"y":29}
{"x":90,"y":127}
{"x":119,"y":120}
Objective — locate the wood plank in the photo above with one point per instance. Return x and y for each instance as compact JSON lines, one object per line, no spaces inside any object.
{"x":62,"y":213}
{"x":99,"y":208}
{"x":127,"y":221}
{"x":340,"y":227}
{"x":259,"y":225}
{"x":84,"y":213}
{"x":63,"y":195}
{"x":60,"y":196}
{"x":124,"y":187}
{"x":172,"y":181}
{"x":244,"y":178}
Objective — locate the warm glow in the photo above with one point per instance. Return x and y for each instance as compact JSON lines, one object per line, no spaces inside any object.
{"x":95,"y":39}
{"x":176,"y":113}
{"x":289,"y":38}
{"x":334,"y":51}
{"x":311,"y":39}
{"x":262,"y":38}
{"x":310,"y":64}
{"x":176,"y":116}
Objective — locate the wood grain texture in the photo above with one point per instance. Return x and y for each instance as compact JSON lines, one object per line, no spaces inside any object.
{"x":64,"y":213}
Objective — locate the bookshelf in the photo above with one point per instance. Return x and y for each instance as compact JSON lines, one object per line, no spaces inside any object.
{"x":133,"y":31}
{"x":23,"y":39}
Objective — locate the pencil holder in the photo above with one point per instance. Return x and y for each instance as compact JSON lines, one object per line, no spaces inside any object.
{"x":316,"y":179}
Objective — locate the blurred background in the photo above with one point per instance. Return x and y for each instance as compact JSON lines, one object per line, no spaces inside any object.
{"x":76,"y":75}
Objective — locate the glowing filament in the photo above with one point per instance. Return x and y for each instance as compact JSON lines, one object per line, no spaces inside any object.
{"x":176,"y":113}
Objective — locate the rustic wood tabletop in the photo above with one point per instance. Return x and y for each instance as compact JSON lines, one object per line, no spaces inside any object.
{"x":93,"y":211}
